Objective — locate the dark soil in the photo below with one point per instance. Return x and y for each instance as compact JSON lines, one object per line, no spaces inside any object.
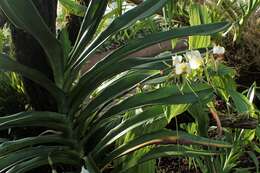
{"x":175,"y":165}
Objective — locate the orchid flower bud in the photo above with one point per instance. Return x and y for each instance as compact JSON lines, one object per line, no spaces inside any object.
{"x":218,"y":50}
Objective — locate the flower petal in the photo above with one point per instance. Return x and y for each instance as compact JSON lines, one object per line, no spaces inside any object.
{"x":218,"y":50}
{"x":176,"y":59}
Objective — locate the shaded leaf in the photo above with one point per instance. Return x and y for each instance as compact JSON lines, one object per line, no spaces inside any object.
{"x":7,"y":64}
{"x":160,"y":137}
{"x":25,"y":15}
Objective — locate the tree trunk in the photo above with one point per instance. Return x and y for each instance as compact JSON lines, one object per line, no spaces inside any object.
{"x":74,"y":22}
{"x":29,"y":52}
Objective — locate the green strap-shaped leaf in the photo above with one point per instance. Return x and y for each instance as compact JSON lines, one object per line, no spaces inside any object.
{"x":74,"y":7}
{"x":160,"y":62}
{"x":174,"y":150}
{"x":40,"y":119}
{"x":20,"y":156}
{"x":146,"y":9}
{"x":56,"y":157}
{"x":11,"y":146}
{"x":155,"y":138}
{"x":162,"y":96}
{"x":90,"y":23}
{"x":128,"y":125}
{"x":117,"y":68}
{"x":96,"y":133}
{"x":7,"y":64}
{"x":104,"y":125}
{"x":138,"y":44}
{"x":113,"y":91}
{"x":24,"y":15}
{"x":91,"y":165}
{"x":102,"y":70}
{"x":167,"y":151}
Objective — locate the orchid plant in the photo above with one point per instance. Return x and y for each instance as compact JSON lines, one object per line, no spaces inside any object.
{"x":185,"y":70}
{"x":192,"y":60}
{"x":192,"y":67}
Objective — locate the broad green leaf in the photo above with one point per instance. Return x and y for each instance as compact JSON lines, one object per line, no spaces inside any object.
{"x":223,"y":70}
{"x":24,"y":15}
{"x":74,"y":7}
{"x":222,"y":79}
{"x":201,"y":117}
{"x":241,"y":102}
{"x":157,"y":138}
{"x":175,"y":110}
{"x":7,"y":64}
{"x":248,"y":135}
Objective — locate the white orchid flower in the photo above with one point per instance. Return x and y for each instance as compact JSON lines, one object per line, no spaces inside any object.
{"x":182,"y":68}
{"x":195,"y":59}
{"x":176,"y":60}
{"x":218,"y":50}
